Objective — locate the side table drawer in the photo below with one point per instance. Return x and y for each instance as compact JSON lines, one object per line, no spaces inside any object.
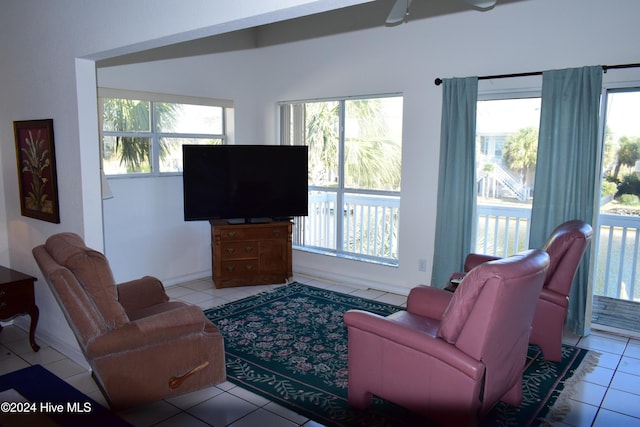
{"x":15,"y":299}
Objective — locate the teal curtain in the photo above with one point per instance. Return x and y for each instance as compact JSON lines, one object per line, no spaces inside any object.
{"x":456,"y":209}
{"x":567,"y":167}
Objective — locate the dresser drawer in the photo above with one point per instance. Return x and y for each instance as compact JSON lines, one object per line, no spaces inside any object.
{"x":239,"y":250}
{"x":231,"y":269}
{"x":250,"y":254}
{"x":259,"y":233}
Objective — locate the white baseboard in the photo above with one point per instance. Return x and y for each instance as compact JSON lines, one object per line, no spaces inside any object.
{"x":187,"y":278}
{"x":341,"y":278}
{"x":44,"y":338}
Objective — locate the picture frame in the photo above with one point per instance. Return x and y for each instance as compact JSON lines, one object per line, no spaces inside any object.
{"x":36,"y":161}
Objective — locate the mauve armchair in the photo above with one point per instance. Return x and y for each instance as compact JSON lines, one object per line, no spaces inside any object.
{"x":566,"y":246}
{"x":140,"y":346}
{"x":450,"y":356}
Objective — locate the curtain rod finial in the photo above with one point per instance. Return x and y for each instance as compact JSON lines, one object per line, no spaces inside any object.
{"x":438,"y":81}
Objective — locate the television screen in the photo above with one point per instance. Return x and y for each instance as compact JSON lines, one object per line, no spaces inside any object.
{"x":251,"y":183}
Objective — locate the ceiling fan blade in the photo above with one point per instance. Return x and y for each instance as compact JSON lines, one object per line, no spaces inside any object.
{"x":398,"y":12}
{"x":482,"y":4}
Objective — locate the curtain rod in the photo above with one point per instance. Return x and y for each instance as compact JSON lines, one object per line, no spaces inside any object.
{"x":438,"y":80}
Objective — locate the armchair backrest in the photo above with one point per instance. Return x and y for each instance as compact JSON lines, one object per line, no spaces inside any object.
{"x":566,"y":246}
{"x":81,"y":280}
{"x":490,"y":315}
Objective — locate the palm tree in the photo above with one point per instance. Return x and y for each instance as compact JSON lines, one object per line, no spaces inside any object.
{"x":322,"y":138}
{"x":628,"y":153}
{"x":127,"y":115}
{"x":520,"y":151}
{"x":371,"y":159}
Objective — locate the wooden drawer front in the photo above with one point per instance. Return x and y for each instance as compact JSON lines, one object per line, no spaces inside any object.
{"x":271,"y":232}
{"x":239,"y":267}
{"x":239,"y":250}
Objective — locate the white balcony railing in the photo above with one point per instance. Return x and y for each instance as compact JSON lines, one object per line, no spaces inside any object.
{"x":369,"y":230}
{"x":505,"y":230}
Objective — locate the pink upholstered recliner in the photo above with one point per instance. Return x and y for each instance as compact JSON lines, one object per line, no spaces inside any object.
{"x":450,"y":357}
{"x":566,"y":247}
{"x":141,"y":347}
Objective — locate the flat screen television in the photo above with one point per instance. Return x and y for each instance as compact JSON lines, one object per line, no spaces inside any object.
{"x":244,"y":183}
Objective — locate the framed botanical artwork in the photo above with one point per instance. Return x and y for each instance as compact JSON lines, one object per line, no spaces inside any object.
{"x":36,"y":159}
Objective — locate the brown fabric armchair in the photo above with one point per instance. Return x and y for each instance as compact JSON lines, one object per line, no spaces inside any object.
{"x":141,"y":346}
{"x":566,"y":247}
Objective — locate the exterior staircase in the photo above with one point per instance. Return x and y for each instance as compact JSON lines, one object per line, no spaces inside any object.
{"x":508,"y":181}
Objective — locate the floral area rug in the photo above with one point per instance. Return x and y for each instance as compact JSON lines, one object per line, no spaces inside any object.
{"x":290,"y":346}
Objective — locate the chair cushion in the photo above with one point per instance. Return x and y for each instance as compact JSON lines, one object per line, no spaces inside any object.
{"x":460,"y":306}
{"x":92,"y":270}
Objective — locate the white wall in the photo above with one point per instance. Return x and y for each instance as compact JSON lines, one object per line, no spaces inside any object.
{"x":47,"y":71}
{"x":406,"y":59}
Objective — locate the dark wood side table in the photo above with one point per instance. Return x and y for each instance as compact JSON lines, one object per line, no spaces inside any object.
{"x":17,"y":298}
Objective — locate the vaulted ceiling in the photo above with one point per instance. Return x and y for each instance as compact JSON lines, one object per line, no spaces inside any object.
{"x":354,"y":18}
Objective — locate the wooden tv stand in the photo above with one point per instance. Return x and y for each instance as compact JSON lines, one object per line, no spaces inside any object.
{"x":250,"y":254}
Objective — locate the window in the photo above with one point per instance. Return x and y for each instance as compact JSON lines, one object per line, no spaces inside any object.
{"x":506,"y":151}
{"x":355,"y":147}
{"x":618,"y":235}
{"x":145,"y":136}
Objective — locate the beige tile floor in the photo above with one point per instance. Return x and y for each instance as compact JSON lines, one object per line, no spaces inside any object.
{"x":608,"y":396}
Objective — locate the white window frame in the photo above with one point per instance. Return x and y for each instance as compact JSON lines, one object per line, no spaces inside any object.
{"x":227,"y":124}
{"x":296,"y":137}
{"x":497,"y":96}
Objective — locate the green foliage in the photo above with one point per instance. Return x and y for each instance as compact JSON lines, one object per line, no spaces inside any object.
{"x":629,"y":200}
{"x":127,"y":115}
{"x":521,"y":149}
{"x":630,"y":185}
{"x":609,"y":188}
{"x":628,"y":153}
{"x":372,"y":159}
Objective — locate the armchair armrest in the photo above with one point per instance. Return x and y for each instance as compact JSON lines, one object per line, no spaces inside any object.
{"x":427,"y":301}
{"x":411,"y":338}
{"x":554,"y":298}
{"x":156,"y":329}
{"x":473,"y":260}
{"x":140,"y":293}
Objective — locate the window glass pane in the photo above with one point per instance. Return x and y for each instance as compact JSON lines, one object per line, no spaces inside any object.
{"x":125,"y":115}
{"x":322,"y":136}
{"x":506,"y":152}
{"x":373,"y":143}
{"x":355,"y":153}
{"x":618,"y":234}
{"x":187,"y":118}
{"x":122,"y":155}
{"x":319,"y":228}
{"x":371,"y":225}
{"x":171,"y":151}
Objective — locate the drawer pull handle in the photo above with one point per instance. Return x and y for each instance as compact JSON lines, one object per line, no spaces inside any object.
{"x":249,"y":267}
{"x":231,"y":268}
{"x":248,"y":249}
{"x":2,"y":293}
{"x":231,"y":250}
{"x":232,"y":234}
{"x":276,"y":233}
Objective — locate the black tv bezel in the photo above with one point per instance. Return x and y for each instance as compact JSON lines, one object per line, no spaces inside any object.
{"x":239,"y":217}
